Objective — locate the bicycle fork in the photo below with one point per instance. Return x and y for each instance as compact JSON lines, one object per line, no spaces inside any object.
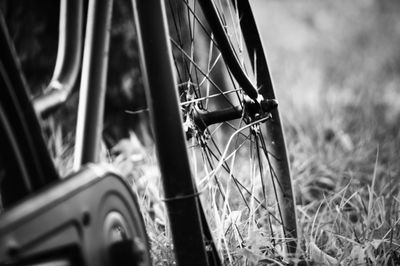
{"x":191,"y":236}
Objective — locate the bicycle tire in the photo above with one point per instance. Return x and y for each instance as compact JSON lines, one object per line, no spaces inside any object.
{"x":230,"y":114}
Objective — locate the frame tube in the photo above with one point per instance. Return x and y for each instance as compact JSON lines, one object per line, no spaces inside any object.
{"x":93,"y":83}
{"x":68,"y":59}
{"x":34,"y":163}
{"x":160,"y":83}
{"x":224,"y":44}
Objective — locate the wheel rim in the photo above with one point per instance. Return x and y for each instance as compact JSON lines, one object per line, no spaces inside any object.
{"x":246,"y":198}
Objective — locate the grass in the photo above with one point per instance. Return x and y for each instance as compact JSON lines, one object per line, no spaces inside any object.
{"x":337,"y":80}
{"x":336,"y":68}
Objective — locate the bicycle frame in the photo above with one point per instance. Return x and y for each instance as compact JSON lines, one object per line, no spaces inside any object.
{"x":36,"y":167}
{"x":88,"y":218}
{"x":180,"y":191}
{"x":93,"y":83}
{"x":177,"y":179}
{"x":191,"y":235}
{"x":68,"y":62}
{"x":189,"y":232}
{"x":264,"y":87}
{"x":184,"y":209}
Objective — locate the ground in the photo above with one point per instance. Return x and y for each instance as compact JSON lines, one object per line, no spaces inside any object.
{"x":336,"y":69}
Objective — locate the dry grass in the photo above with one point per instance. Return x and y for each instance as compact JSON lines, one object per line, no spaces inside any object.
{"x":336,"y":69}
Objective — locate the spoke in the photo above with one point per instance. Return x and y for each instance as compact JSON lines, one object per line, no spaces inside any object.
{"x":226,"y":27}
{"x":202,"y":25}
{"x":236,"y":25}
{"x":238,"y":184}
{"x":192,"y":42}
{"x":230,"y":159}
{"x":259,"y":164}
{"x":210,"y":53}
{"x":209,"y":69}
{"x":177,"y":69}
{"x":207,"y":97}
{"x":273,"y":174}
{"x":236,"y":89}
{"x":209,"y":161}
{"x":201,"y":71}
{"x":262,"y":181}
{"x":176,"y":17}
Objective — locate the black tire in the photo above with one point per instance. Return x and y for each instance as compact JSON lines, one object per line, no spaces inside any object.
{"x":235,"y":137}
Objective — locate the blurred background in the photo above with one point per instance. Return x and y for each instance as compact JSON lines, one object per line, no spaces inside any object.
{"x":336,"y":67}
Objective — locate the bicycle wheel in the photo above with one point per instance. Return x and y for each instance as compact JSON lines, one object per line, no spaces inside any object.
{"x":234,"y":135}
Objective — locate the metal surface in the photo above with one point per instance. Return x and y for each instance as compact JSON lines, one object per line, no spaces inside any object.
{"x":68,"y":58}
{"x":93,"y":83}
{"x":179,"y":189}
{"x":22,"y":125}
{"x":204,"y":118}
{"x":66,"y":223}
{"x":224,"y":45}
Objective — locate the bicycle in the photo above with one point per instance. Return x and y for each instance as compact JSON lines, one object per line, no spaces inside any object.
{"x":248,"y":112}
